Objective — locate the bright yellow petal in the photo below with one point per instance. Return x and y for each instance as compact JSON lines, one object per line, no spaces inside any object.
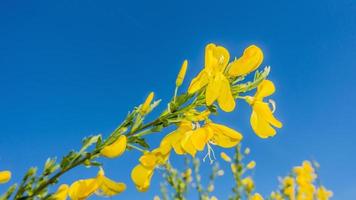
{"x":173,"y":139}
{"x":260,"y":126}
{"x":216,"y":58}
{"x":248,"y":62}
{"x":198,"y":82}
{"x":110,"y":188}
{"x":199,"y":138}
{"x":82,"y":189}
{"x":141,"y":176}
{"x":5,"y":176}
{"x":148,"y":160}
{"x":61,"y":193}
{"x":266,"y":88}
{"x":224,"y":136}
{"x":265,"y":112}
{"x":226,"y":100}
{"x":115,"y":149}
{"x":229,"y":132}
{"x":187,"y":144}
{"x":213,"y":90}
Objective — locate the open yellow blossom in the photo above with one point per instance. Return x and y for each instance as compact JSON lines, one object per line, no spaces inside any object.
{"x":323,"y":194}
{"x":61,"y":193}
{"x":115,"y":149}
{"x":212,"y":76}
{"x":101,"y":185}
{"x":256,"y":196}
{"x":5,"y":176}
{"x":141,"y":174}
{"x":181,"y":73}
{"x":248,"y":62}
{"x":225,"y":157}
{"x":262,"y":116}
{"x":146,"y":105}
{"x":188,"y":140}
{"x":251,"y":165}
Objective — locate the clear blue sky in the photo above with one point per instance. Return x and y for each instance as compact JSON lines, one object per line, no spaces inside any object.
{"x":73,"y":68}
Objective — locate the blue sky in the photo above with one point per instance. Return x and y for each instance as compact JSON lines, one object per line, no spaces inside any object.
{"x":69,"y":69}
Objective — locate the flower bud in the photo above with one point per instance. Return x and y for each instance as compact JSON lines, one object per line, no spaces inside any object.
{"x":181,"y":73}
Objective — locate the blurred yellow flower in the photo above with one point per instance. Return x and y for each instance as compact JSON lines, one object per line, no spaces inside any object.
{"x":115,"y":149}
{"x":304,"y":177}
{"x":61,"y":193}
{"x":251,"y":165}
{"x":288,"y":187}
{"x":248,"y":184}
{"x":141,"y":174}
{"x":5,"y":176}
{"x":212,"y":76}
{"x":213,"y":198}
{"x":256,"y":196}
{"x":262,"y":116}
{"x":225,"y":157}
{"x":100,"y":185}
{"x":248,"y":62}
{"x":181,"y":73}
{"x":323,"y":194}
{"x":145,"y":108}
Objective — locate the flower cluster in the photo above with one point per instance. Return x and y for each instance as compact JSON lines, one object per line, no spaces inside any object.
{"x":196,"y":131}
{"x":218,"y":86}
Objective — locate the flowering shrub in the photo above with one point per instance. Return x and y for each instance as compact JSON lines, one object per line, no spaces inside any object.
{"x":221,"y":83}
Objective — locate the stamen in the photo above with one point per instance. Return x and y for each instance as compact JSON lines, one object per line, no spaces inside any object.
{"x":210,"y":154}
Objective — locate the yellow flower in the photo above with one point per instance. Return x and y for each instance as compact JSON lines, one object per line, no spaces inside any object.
{"x":145,"y":108}
{"x":248,"y":62}
{"x":188,"y":140}
{"x":251,"y":165}
{"x":256,"y":196}
{"x":141,"y":174}
{"x":248,"y":184}
{"x":181,"y":73}
{"x":5,"y":176}
{"x":115,"y":149}
{"x":323,"y":194}
{"x":212,"y":76}
{"x":61,"y":193}
{"x":101,"y":185}
{"x":304,"y":177}
{"x":225,"y":157}
{"x":262,"y":116}
{"x":288,"y":186}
